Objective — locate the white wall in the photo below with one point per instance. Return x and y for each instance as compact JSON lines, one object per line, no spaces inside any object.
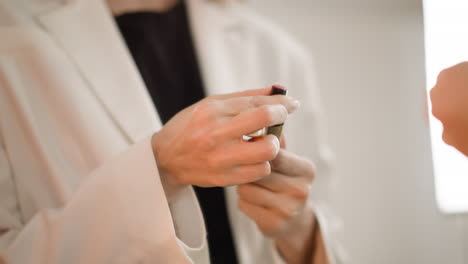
{"x":370,"y":62}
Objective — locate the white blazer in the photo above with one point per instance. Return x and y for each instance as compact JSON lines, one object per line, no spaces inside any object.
{"x":78,"y":181}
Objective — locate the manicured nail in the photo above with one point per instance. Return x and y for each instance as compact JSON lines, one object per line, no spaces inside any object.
{"x":297,"y":104}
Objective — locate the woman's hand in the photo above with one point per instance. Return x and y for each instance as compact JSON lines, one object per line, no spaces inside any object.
{"x":278,"y":205}
{"x":449,"y":105}
{"x":203,"y":145}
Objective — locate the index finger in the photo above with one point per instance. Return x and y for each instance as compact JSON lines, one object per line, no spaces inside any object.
{"x":254,"y":119}
{"x":254,"y":92}
{"x":235,"y":106}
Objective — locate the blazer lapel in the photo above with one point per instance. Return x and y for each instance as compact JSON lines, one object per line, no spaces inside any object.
{"x":86,"y":31}
{"x":226,"y":53}
{"x":223,"y":46}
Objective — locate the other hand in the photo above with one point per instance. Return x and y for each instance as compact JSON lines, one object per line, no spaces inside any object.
{"x":449,"y":105}
{"x":278,"y":205}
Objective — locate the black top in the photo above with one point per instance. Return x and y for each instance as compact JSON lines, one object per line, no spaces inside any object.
{"x":162,"y":47}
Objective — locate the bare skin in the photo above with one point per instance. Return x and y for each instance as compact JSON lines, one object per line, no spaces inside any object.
{"x":450,"y":105}
{"x":279,"y":206}
{"x":202,"y":145}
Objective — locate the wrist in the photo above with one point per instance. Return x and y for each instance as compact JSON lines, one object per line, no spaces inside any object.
{"x":170,"y":183}
{"x":297,"y":247}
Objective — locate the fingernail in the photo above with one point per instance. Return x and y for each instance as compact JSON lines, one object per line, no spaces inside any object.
{"x":296,"y":104}
{"x":277,"y":143}
{"x":258,"y":133}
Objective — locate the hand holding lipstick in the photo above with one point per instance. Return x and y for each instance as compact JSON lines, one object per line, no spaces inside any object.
{"x":202,"y":145}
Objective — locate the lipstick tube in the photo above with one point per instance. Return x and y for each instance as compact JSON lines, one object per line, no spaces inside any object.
{"x":277,"y":129}
{"x":274,"y":130}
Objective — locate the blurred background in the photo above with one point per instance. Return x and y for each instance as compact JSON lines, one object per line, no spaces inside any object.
{"x":371,"y":65}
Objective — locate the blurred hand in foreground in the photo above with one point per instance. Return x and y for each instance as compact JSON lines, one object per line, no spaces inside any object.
{"x":450,"y":105}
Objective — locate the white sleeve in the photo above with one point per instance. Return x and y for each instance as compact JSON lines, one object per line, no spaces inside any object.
{"x":119,"y":214}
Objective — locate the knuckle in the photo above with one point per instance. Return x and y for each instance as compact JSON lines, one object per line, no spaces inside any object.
{"x":206,"y":108}
{"x":199,"y":109}
{"x":194,"y":139}
{"x":210,"y":103}
{"x":207,"y":141}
